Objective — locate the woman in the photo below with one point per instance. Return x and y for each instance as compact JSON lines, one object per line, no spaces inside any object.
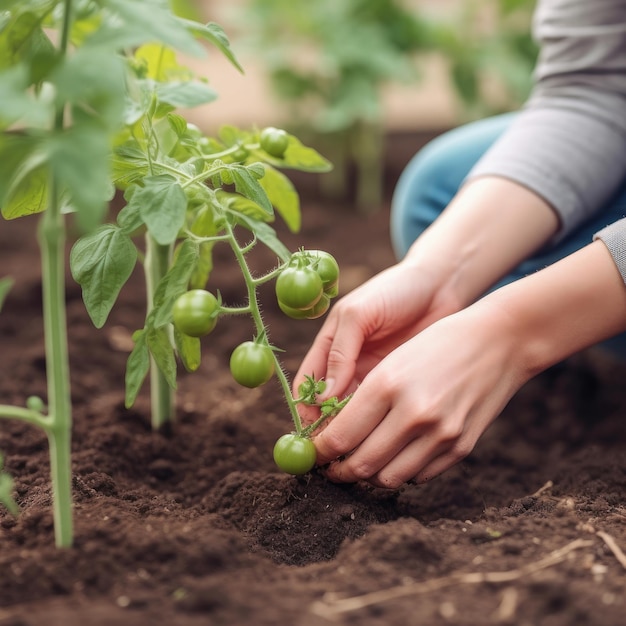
{"x":512,"y":255}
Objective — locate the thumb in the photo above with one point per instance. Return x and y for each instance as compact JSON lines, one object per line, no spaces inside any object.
{"x":343,"y":353}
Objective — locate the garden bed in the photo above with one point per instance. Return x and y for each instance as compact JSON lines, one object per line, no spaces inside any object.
{"x":196,"y":526}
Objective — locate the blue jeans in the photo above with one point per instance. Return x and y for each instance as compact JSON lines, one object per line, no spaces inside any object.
{"x":435,"y":174}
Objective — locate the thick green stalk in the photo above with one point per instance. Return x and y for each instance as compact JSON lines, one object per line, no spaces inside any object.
{"x":51,"y":237}
{"x":52,"y":244}
{"x":367,"y":150}
{"x":162,"y":399}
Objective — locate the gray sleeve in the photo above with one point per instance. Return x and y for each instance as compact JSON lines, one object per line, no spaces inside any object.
{"x":614,"y":237}
{"x":568,"y":144}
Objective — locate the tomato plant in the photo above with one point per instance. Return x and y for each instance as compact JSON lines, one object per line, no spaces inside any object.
{"x":252,"y":364}
{"x":89,"y":113}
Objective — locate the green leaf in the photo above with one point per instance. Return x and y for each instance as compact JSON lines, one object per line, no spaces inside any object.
{"x":80,"y":161}
{"x":189,"y":350}
{"x":101,"y":263}
{"x":21,"y":37}
{"x":299,"y":157}
{"x":6,"y":493}
{"x":215,"y":34}
{"x":283,"y":196}
{"x":128,"y":164}
{"x":247,"y":185}
{"x":162,"y":204}
{"x":16,"y":151}
{"x":173,"y":284}
{"x":5,"y":286}
{"x":137,"y":368}
{"x":160,"y":347}
{"x":161,"y":63}
{"x":187,"y":94}
{"x":19,"y":103}
{"x":28,"y":195}
{"x":145,"y":21}
{"x":94,"y":80}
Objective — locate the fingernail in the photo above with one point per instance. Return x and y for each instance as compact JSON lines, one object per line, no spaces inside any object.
{"x":330,"y":382}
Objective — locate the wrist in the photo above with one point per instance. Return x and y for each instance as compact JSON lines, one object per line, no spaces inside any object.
{"x":567,"y":307}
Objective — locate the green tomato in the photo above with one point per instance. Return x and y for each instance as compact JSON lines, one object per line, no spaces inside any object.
{"x":252,"y":364}
{"x":195,"y":312}
{"x":317,"y":310}
{"x":299,"y":287}
{"x":241,"y":154}
{"x":294,"y":454}
{"x":326,"y":266}
{"x":274,"y":141}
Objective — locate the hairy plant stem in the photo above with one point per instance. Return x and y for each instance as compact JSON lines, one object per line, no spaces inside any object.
{"x":162,"y":400}
{"x":261,"y":330}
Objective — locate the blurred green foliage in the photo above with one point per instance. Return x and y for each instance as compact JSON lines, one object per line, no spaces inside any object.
{"x":330,"y":61}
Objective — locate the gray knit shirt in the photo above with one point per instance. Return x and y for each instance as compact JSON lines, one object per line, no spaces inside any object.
{"x":568,"y":143}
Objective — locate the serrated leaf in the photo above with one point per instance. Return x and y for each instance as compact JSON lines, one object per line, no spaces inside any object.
{"x":80,"y":161}
{"x":19,"y":103}
{"x":100,"y":93}
{"x":16,"y":150}
{"x":137,"y":368}
{"x":129,"y":165}
{"x":283,"y":196}
{"x":173,"y":284}
{"x":187,"y":94}
{"x":215,"y":34}
{"x":161,"y":63}
{"x":101,"y":263}
{"x":160,"y":347}
{"x":247,"y":185}
{"x":29,"y":195}
{"x":144,"y":22}
{"x":189,"y":350}
{"x":162,"y":204}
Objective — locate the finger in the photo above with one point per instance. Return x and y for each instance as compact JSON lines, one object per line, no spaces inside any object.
{"x":314,"y":362}
{"x":426,"y":458}
{"x":378,"y":449}
{"x":352,"y":425}
{"x":342,"y":354}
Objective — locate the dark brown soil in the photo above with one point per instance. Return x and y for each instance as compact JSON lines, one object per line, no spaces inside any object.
{"x":197,"y":526}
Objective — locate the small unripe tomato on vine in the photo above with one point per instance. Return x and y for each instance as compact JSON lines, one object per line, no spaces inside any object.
{"x":195,"y":312}
{"x":295,"y":454}
{"x":274,"y":141}
{"x":326,"y":266}
{"x":299,"y":287}
{"x":252,"y":364}
{"x":317,"y":310}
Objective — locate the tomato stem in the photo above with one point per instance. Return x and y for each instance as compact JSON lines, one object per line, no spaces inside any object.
{"x":162,"y":401}
{"x":261,"y":330}
{"x":58,"y":425}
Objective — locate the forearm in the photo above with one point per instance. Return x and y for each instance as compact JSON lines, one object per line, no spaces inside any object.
{"x":489,"y":227}
{"x":556,"y":312}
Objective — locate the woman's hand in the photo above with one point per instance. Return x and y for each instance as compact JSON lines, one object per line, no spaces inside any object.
{"x":423,"y":407}
{"x":371,"y":321}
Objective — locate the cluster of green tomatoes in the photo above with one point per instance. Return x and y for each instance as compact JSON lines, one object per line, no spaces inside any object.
{"x":304,"y":288}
